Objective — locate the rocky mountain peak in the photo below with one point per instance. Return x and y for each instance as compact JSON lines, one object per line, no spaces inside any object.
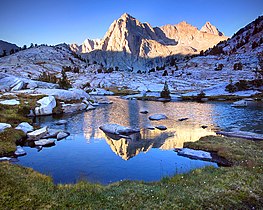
{"x":211,"y":29}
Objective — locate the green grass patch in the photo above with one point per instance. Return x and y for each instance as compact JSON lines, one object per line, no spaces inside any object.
{"x":8,"y":140}
{"x":237,"y":187}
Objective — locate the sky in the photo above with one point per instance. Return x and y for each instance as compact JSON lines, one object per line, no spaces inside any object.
{"x":72,"y":21}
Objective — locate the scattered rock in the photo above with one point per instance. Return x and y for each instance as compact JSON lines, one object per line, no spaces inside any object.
{"x":241,"y":103}
{"x":195,"y":154}
{"x":61,"y":122}
{"x":118,"y":129}
{"x":37,"y":134}
{"x":19,"y":84}
{"x":158,"y":117}
{"x":161,"y":127}
{"x":10,"y":102}
{"x":25,"y":127}
{"x":4,"y":126}
{"x":20,"y":151}
{"x":62,"y":135}
{"x":150,"y":127}
{"x":47,"y":105}
{"x":52,"y":133}
{"x":45,"y":142}
{"x":183,"y":119}
{"x":143,"y":111}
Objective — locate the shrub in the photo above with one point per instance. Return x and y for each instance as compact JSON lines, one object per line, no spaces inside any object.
{"x":64,"y":83}
{"x":47,"y":77}
{"x":165,"y":92}
{"x":165,"y":73}
{"x":238,"y":66}
{"x":200,"y":96}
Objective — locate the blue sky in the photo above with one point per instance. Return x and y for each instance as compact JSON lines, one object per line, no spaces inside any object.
{"x":72,"y":21}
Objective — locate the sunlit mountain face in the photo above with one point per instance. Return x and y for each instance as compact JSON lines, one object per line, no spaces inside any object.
{"x":127,"y":113}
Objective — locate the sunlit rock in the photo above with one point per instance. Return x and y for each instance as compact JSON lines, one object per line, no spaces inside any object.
{"x":10,"y":102}
{"x":25,"y":127}
{"x":44,"y":142}
{"x":47,"y":104}
{"x":37,"y":134}
{"x":69,"y":108}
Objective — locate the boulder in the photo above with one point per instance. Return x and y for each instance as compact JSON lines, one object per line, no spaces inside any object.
{"x":10,"y":102}
{"x":25,"y":127}
{"x":4,"y":126}
{"x":195,"y":154}
{"x":18,"y":85}
{"x":69,"y":108}
{"x":158,"y":117}
{"x":62,"y":135}
{"x":64,"y":95}
{"x":47,"y":104}
{"x":45,"y":142}
{"x":37,"y":134}
{"x":118,"y":129}
{"x":161,"y":127}
{"x":20,"y":151}
{"x":52,"y":133}
{"x":90,"y":107}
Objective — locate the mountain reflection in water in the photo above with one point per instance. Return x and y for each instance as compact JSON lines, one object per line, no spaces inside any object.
{"x":127,"y":113}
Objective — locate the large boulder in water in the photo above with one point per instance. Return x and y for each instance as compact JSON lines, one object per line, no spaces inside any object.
{"x":118,"y":129}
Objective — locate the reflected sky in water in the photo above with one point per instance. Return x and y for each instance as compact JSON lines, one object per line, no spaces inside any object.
{"x":91,"y":155}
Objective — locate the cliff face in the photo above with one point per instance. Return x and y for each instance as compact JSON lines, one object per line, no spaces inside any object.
{"x":131,"y":44}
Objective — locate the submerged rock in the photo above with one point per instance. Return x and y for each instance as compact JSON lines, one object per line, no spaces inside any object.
{"x":69,"y":108}
{"x":118,"y":129}
{"x":158,"y":117}
{"x":37,"y":134}
{"x":25,"y":127}
{"x":183,"y":119}
{"x":20,"y":151}
{"x":62,"y":135}
{"x":44,"y":142}
{"x":143,"y":111}
{"x":61,"y":122}
{"x":161,"y":127}
{"x":195,"y":154}
{"x":4,"y":126}
{"x":47,"y":105}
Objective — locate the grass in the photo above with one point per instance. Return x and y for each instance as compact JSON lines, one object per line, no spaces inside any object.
{"x":8,"y":139}
{"x":122,"y":91}
{"x":236,"y":187}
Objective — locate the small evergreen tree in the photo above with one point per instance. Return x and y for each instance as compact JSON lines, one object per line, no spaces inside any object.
{"x":64,"y":83}
{"x":165,"y":92}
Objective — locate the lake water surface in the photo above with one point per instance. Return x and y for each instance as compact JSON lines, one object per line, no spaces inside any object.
{"x":91,"y":155}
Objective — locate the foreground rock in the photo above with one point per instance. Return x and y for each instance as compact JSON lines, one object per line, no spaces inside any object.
{"x":47,"y":104}
{"x":4,"y":126}
{"x":158,"y":117}
{"x":37,"y":134}
{"x":25,"y":127}
{"x":195,"y":154}
{"x":10,"y":102}
{"x":20,"y":151}
{"x":118,"y":129}
{"x":45,"y":142}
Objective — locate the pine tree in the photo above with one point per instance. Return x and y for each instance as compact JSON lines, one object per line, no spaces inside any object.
{"x":165,"y":92}
{"x":64,"y":83}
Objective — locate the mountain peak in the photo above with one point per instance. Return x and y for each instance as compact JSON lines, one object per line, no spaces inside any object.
{"x":211,"y":29}
{"x":126,"y":16}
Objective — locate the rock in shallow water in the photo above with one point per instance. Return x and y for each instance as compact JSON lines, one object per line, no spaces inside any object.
{"x":20,"y":151}
{"x":61,"y":122}
{"x":161,"y":127}
{"x":25,"y":127}
{"x":44,"y":142}
{"x":62,"y":135}
{"x":195,"y":154}
{"x":118,"y":129}
{"x":37,"y":134}
{"x":158,"y":117}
